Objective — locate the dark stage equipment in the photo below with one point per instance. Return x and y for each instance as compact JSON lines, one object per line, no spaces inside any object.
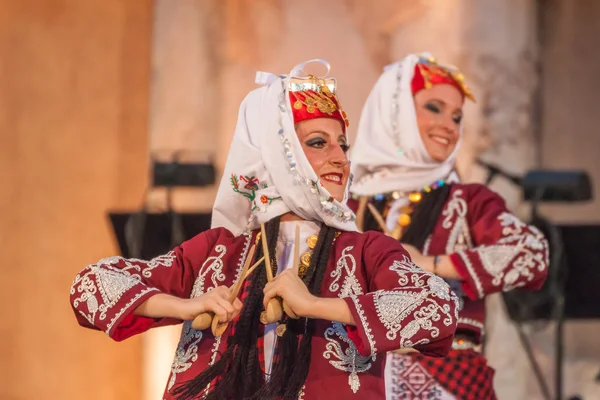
{"x":573,"y":275}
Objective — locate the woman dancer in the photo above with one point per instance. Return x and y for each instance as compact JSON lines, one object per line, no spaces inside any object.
{"x":347,"y":297}
{"x":406,"y":186}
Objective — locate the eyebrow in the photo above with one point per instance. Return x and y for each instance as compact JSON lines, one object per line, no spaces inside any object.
{"x":458,"y":109}
{"x":329,"y":135}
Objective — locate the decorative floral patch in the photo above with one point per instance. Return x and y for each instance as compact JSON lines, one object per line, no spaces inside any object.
{"x":247,"y":187}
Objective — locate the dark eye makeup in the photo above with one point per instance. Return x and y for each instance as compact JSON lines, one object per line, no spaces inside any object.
{"x":319,"y":143}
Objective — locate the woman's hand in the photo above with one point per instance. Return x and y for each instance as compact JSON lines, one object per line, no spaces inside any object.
{"x":290,"y":288}
{"x":216,"y":301}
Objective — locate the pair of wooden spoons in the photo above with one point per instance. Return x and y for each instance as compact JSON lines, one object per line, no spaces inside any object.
{"x":204,"y":320}
{"x":275,"y":307}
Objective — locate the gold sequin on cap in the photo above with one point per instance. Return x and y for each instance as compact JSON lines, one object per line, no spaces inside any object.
{"x":450,"y":71}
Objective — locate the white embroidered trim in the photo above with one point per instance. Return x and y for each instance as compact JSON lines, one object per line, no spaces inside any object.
{"x":215,"y":350}
{"x":349,"y":360}
{"x":350,"y":285}
{"x":213,"y":358}
{"x":127,"y":306}
{"x":471,"y":270}
{"x":516,"y":254}
{"x":459,"y":237}
{"x":301,"y":395}
{"x":112,"y":282}
{"x":363,"y":320}
{"x":244,"y":254}
{"x":216,"y":266}
{"x":521,"y":250}
{"x":186,"y":353}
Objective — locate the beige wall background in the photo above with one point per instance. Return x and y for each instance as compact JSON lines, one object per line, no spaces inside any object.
{"x":89,"y":89}
{"x":74,"y":89}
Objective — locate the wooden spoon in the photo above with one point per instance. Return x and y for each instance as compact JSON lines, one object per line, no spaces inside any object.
{"x":204,"y":320}
{"x":219,"y":327}
{"x":379,"y":219}
{"x":274,"y":310}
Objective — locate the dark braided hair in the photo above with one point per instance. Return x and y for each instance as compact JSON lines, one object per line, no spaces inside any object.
{"x":287,"y":378}
{"x":425,"y":216}
{"x":238,"y":370}
{"x":423,"y":219}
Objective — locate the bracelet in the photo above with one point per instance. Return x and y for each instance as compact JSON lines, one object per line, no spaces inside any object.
{"x":436,"y":261}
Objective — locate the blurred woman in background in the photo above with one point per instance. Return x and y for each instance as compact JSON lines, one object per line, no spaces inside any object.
{"x":405,"y":185}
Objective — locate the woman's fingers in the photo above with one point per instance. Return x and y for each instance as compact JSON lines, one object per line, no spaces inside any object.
{"x":229,"y":310}
{"x":222,"y":291}
{"x":270,"y":291}
{"x":238,"y":305}
{"x":217,"y":308}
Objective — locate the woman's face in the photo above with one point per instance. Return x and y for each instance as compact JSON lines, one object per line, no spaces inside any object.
{"x":439,"y":114}
{"x":326,"y":148}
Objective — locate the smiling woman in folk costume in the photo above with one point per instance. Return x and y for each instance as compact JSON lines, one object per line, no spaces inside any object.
{"x":406,"y":186}
{"x":280,"y":219}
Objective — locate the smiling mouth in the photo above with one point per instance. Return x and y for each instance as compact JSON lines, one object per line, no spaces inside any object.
{"x":441,"y":140}
{"x":333,"y":177}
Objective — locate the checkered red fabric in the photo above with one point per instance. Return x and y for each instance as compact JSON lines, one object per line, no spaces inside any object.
{"x":464,"y":373}
{"x":243,"y":295}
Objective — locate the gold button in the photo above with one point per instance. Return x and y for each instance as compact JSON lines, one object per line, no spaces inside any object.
{"x":305,"y":259}
{"x":280,"y":330}
{"x":312,"y":241}
{"x":415,"y":197}
{"x":302,"y":270}
{"x":404,"y":220}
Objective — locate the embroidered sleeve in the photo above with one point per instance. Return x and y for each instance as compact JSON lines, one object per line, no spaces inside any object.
{"x":105,"y":294}
{"x":508,"y":253}
{"x":405,"y":306}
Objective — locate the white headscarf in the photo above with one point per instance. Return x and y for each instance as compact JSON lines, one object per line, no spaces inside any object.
{"x":389,"y":154}
{"x":267,"y":173}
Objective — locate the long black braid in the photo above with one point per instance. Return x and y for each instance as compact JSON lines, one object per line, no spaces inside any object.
{"x":238,"y":369}
{"x":287,"y":377}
